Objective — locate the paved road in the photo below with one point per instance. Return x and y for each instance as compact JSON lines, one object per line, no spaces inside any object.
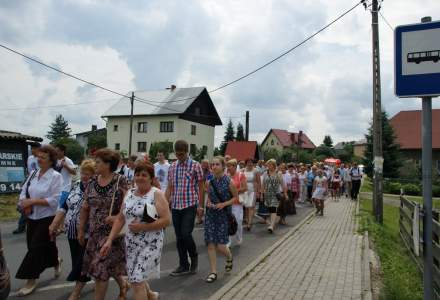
{"x":190,"y":287}
{"x":321,"y":260}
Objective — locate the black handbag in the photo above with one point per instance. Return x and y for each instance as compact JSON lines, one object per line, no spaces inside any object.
{"x":232,"y":221}
{"x":146,"y":218}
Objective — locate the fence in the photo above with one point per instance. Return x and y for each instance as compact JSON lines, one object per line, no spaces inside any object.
{"x":411,"y":232}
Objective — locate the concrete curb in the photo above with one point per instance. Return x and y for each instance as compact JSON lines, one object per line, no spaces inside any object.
{"x":366,"y":273}
{"x":237,"y":278}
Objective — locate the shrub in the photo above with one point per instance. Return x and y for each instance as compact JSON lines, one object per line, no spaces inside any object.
{"x":411,"y":189}
{"x":436,"y":190}
{"x":391,"y":187}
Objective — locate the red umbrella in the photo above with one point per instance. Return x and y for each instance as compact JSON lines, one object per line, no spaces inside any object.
{"x":332,"y":160}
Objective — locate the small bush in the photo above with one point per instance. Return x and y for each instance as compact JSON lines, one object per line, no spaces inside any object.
{"x":411,"y":189}
{"x":436,"y":190}
{"x":392,"y":187}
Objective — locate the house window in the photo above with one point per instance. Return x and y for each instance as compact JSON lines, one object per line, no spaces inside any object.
{"x":167,"y":126}
{"x":117,"y":146}
{"x":197,"y":111}
{"x":115,"y":127}
{"x":205,"y":149}
{"x":192,"y":149}
{"x":142,"y":147}
{"x":142,"y":127}
{"x":193,"y":129}
{"x":272,"y":142}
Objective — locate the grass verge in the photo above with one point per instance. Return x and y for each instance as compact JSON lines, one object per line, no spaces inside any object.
{"x":367,"y":185}
{"x":8,"y":205}
{"x":401,"y":278}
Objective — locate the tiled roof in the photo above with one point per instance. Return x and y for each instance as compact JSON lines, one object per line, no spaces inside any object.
{"x":408,"y":129}
{"x":241,"y":150}
{"x":287,"y":139}
{"x":166,"y":107}
{"x":10,"y":135}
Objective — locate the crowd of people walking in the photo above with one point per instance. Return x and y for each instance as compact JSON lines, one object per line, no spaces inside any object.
{"x":115,"y":215}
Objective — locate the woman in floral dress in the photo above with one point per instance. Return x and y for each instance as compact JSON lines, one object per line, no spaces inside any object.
{"x":216,"y":218}
{"x":144,"y":239}
{"x":96,"y":213}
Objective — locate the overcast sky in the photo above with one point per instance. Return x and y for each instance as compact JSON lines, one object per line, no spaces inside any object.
{"x":323,"y":87}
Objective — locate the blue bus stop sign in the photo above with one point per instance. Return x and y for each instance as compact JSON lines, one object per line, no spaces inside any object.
{"x":417,"y":60}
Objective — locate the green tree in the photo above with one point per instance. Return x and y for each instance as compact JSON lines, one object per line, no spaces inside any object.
{"x":96,"y":141}
{"x":217,"y":151}
{"x":240,"y":132}
{"x":199,"y":154}
{"x":165,"y":146}
{"x":271,"y":153}
{"x":74,"y":150}
{"x":229,"y":136}
{"x":391,"y":155}
{"x":328,"y":141}
{"x":346,"y":155}
{"x":287,"y":155}
{"x":323,"y":151}
{"x":58,"y":129}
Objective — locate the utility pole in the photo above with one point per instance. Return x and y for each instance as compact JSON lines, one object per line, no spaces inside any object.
{"x":377,"y":120}
{"x":131,"y":123}
{"x":428,"y":260}
{"x":246,"y":138}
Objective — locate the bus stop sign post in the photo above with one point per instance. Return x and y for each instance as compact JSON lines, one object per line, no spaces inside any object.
{"x":417,"y":74}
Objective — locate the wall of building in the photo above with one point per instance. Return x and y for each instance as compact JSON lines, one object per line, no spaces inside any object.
{"x":204,"y":135}
{"x":416,"y":155}
{"x":359,"y":150}
{"x":271,"y":142}
{"x":182,"y":130}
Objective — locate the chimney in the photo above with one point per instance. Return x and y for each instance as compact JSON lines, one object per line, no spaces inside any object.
{"x":300,"y":134}
{"x":94,"y":127}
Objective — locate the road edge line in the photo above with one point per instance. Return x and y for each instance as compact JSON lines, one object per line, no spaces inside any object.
{"x":237,"y":278}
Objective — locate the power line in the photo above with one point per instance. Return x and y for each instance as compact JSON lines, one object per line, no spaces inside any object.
{"x":57,"y":105}
{"x":150,"y":102}
{"x":290,"y":50}
{"x":386,"y":21}
{"x":62,"y":72}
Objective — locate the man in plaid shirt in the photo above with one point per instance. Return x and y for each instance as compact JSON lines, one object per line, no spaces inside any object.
{"x":184,"y":193}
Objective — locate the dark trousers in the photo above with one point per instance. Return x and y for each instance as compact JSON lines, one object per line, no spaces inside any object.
{"x":355,"y":186}
{"x":77,"y":254}
{"x":22,"y":222}
{"x":183,"y":222}
{"x":42,"y":251}
{"x":291,"y":207}
{"x":309,"y":192}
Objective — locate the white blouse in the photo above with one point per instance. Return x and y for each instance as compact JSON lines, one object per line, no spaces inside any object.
{"x":47,"y":187}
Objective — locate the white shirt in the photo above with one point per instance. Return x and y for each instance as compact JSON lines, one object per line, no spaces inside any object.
{"x":48,"y":187}
{"x":161,"y":173}
{"x":32,"y":164}
{"x":67,"y":177}
{"x":129,"y":174}
{"x":287,"y":178}
{"x":355,"y":173}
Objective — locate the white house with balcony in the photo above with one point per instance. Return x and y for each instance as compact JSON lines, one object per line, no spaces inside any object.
{"x":172,"y":114}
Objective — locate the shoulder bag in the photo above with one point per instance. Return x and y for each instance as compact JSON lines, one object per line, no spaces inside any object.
{"x":232,"y":221}
{"x":124,"y":228}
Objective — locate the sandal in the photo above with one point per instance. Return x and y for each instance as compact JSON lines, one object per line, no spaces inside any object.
{"x":211,"y":278}
{"x":24,"y":291}
{"x":123,"y":291}
{"x":228,"y":266}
